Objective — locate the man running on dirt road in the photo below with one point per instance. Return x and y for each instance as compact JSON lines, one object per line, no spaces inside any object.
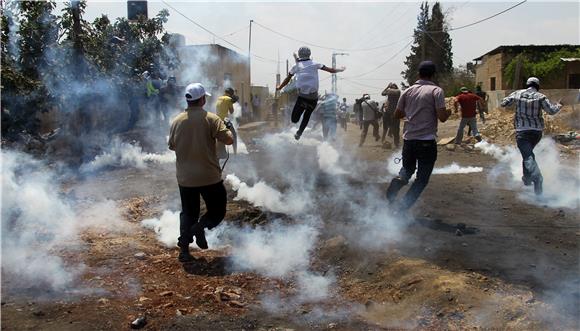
{"x":193,"y":136}
{"x":529,"y":124}
{"x":421,"y":105}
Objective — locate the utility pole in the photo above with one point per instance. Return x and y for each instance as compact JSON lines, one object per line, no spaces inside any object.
{"x":334,"y":78}
{"x":277,"y":75}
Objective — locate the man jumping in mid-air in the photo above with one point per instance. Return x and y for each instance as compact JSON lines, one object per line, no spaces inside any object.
{"x":306,"y":72}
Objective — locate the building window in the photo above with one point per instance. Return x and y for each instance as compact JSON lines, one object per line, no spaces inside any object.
{"x":574,"y":81}
{"x":492,"y":83}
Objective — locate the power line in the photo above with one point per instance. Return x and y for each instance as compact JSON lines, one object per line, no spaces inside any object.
{"x":236,"y":31}
{"x":483,"y":19}
{"x":214,"y":34}
{"x":387,"y":61}
{"x":327,"y":47}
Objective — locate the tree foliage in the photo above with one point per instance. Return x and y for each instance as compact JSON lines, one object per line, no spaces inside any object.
{"x":431,"y":42}
{"x":545,"y":65}
{"x":45,"y":55}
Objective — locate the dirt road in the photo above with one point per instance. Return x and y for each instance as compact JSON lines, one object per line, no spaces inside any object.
{"x":472,"y":254}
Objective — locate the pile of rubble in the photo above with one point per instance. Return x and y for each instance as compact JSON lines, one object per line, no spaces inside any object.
{"x":500,"y":126}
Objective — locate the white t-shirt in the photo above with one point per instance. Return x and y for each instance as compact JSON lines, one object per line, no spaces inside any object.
{"x":306,"y":76}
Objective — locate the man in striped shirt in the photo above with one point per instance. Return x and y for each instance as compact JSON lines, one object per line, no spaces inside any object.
{"x":529,"y":124}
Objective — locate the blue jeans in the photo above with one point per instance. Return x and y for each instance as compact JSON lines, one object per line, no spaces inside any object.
{"x":466,"y":121}
{"x":526,"y":141}
{"x":418,"y":155}
{"x":329,"y":128}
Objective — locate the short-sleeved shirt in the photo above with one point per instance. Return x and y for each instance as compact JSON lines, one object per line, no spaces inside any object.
{"x":223,"y":106}
{"x":420,"y":103}
{"x":328,"y":108}
{"x":468,"y":102}
{"x":369,"y":108}
{"x":306,"y":73}
{"x":193,"y":136}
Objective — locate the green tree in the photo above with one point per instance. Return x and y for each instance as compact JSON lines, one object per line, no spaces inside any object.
{"x":546,"y":66}
{"x":438,"y":41}
{"x":431,"y":42}
{"x":418,"y":51}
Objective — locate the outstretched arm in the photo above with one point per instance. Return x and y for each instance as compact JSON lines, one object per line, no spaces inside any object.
{"x":285,"y":82}
{"x":333,"y":70}
{"x":509,"y":100}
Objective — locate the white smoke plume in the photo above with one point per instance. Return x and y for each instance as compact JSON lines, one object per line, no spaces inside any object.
{"x":561,"y":182}
{"x":455,"y":168}
{"x":166,"y":227}
{"x":263,"y":195}
{"x":328,"y":159}
{"x":38,"y":222}
{"x":121,"y":154}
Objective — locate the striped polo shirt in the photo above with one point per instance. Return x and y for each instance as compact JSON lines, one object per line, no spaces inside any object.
{"x":529,"y":105}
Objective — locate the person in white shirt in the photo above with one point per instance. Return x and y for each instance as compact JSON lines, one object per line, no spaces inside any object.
{"x":306,"y":72}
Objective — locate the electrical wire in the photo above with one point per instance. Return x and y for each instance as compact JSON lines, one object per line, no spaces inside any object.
{"x":214,"y":34}
{"x":387,"y":61}
{"x":483,"y":19}
{"x":327,"y":47}
{"x":236,"y":31}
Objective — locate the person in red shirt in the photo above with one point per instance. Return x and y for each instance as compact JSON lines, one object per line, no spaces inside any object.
{"x":468,"y":102}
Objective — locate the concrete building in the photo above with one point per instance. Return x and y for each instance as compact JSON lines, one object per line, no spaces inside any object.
{"x":216,"y":67}
{"x":490,"y":68}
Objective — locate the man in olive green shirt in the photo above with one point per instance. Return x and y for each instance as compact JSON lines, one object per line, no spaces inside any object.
{"x":193,"y":136}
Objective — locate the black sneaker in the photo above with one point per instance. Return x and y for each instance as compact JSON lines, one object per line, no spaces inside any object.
{"x":297,"y":135}
{"x":184,"y":255}
{"x":199,"y":234}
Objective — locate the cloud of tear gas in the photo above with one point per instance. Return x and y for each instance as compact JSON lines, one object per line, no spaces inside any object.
{"x":264,"y":195}
{"x":37,"y":223}
{"x":561,"y":182}
{"x":242,"y":148}
{"x":455,"y":168}
{"x":165,"y":227}
{"x":393,"y":168}
{"x":328,"y":159}
{"x":35,"y":220}
{"x":120,"y":154}
{"x":271,"y":252}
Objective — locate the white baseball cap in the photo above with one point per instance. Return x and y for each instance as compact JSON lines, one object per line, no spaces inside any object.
{"x":533,"y":80}
{"x":195,"y":91}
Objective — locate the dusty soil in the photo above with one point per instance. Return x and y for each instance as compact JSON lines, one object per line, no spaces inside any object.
{"x":513,"y":266}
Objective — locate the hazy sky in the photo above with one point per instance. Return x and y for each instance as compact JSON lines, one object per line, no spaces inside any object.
{"x":358,"y":25}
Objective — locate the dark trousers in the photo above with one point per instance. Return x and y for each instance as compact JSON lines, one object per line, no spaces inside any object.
{"x":391,"y":126}
{"x":215,"y":198}
{"x":365,"y":130}
{"x":303,"y":106}
{"x":526,"y":141}
{"x":418,"y":155}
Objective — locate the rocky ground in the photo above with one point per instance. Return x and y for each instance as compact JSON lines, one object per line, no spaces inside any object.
{"x":475,"y":256}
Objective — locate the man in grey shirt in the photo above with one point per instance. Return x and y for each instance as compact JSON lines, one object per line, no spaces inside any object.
{"x":421,"y":105}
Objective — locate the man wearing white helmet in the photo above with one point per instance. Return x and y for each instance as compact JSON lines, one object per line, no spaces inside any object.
{"x":529,"y":124}
{"x":193,"y":136}
{"x":306,"y":72}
